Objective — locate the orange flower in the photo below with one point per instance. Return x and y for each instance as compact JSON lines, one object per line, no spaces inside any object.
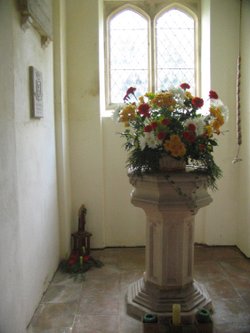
{"x":175,"y":146}
{"x":163,"y":100}
{"x":217,"y":123}
{"x":215,"y":111}
{"x":219,"y":119}
{"x":127,"y":114}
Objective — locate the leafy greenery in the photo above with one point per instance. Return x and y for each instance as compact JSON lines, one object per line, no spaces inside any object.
{"x":172,"y":123}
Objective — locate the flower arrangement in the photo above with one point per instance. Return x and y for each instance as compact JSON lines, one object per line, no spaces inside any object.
{"x":172,"y":123}
{"x":76,"y":264}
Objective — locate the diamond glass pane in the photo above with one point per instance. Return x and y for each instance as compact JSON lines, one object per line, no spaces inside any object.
{"x":175,"y":45}
{"x":128,"y":56}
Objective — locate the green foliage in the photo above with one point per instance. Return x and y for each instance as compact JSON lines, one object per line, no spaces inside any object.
{"x":172,"y":123}
{"x":77,"y":267}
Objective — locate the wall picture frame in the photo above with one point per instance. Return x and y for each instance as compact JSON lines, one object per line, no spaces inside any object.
{"x":36,"y":92}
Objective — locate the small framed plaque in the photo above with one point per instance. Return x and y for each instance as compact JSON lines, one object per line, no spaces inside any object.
{"x":36,"y":89}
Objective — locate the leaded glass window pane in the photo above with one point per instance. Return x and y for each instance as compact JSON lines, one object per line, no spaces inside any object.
{"x":175,"y":49}
{"x":128,"y":54}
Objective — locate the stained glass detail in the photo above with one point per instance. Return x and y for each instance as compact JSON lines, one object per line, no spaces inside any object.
{"x":128,"y":54}
{"x":175,"y":49}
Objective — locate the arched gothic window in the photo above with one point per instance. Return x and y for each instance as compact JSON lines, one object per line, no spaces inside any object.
{"x":150,"y":54}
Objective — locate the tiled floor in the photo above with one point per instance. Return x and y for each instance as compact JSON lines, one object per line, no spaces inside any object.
{"x":96,"y":304}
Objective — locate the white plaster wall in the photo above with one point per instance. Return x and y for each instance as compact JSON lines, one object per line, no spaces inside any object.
{"x":29,"y":244}
{"x":10,"y":243}
{"x":217,"y":224}
{"x":85,"y":130}
{"x":124,"y":224}
{"x":243,"y":220}
{"x":97,"y":159}
{"x":62,"y":135}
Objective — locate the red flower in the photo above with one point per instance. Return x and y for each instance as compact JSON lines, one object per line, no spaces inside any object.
{"x":148,"y":128}
{"x":197,"y":102}
{"x":189,"y":136}
{"x":154,"y":124}
{"x":185,"y":86}
{"x":165,"y":121}
{"x":161,"y":135}
{"x":72,"y":259}
{"x":213,"y":94}
{"x":143,"y":109}
{"x":191,"y":127}
{"x":130,"y":91}
{"x":186,"y":135}
{"x":202,"y":146}
{"x":192,"y":137}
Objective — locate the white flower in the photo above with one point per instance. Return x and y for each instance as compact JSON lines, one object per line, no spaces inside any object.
{"x":177,"y":92}
{"x":225,"y":112}
{"x":199,"y":124}
{"x":149,"y":139}
{"x":142,"y":142}
{"x":179,"y":95}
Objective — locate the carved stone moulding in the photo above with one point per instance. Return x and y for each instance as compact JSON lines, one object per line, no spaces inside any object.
{"x":145,"y":298}
{"x":37,"y":13}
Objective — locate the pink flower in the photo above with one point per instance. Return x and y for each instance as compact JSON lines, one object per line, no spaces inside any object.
{"x":130,"y":91}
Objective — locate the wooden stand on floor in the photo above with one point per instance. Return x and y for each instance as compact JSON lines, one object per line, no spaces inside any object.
{"x":81,"y":238}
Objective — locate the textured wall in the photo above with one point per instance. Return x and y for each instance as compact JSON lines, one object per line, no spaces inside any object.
{"x":29,"y":215}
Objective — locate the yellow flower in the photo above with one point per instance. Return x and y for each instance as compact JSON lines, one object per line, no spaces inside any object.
{"x":219,"y":119}
{"x":215,"y":111}
{"x":141,"y":99}
{"x":216,"y":124}
{"x":127,"y":114}
{"x":175,"y":146}
{"x":188,"y":95}
{"x":208,"y":130}
{"x":164,"y":100}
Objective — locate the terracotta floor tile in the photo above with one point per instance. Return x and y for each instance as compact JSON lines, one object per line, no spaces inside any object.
{"x":97,"y":302}
{"x":205,"y":271}
{"x":54,"y":316}
{"x":62,"y":294}
{"x":231,"y":311}
{"x":100,"y":305}
{"x":96,"y":324}
{"x":220,"y":289}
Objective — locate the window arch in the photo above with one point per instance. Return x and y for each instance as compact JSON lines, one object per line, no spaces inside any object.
{"x":175,"y":48}
{"x":128,"y":52}
{"x":149,"y":52}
